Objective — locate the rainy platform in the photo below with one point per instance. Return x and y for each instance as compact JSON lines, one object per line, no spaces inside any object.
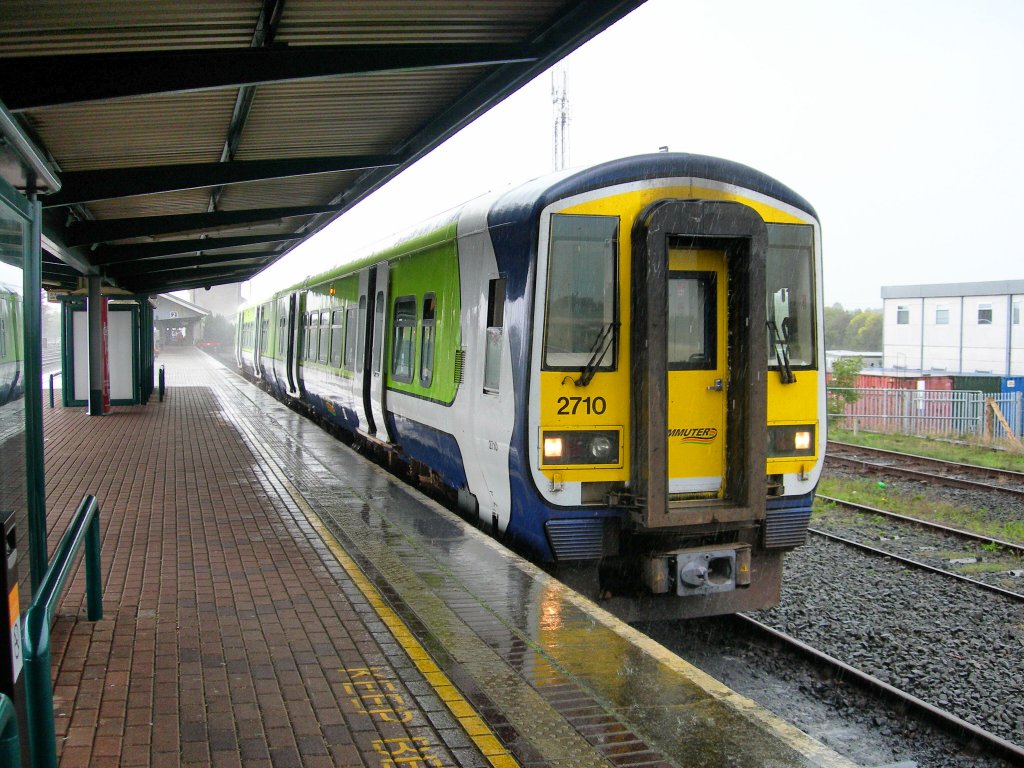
{"x":272,"y":599}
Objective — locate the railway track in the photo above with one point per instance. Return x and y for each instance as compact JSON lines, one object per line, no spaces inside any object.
{"x":911,"y":562}
{"x":1009,"y":546}
{"x":967,"y":733}
{"x":966,"y":476}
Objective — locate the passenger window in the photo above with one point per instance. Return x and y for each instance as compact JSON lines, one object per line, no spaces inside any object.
{"x":325,"y":336}
{"x":282,"y":329}
{"x":311,"y":335}
{"x":402,"y":350}
{"x":495,"y":331}
{"x":337,"y":326}
{"x":361,"y":345}
{"x":376,"y":352}
{"x":350,"y":337}
{"x":427,"y":340}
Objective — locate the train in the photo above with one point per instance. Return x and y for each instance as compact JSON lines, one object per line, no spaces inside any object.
{"x":12,"y":356}
{"x":617,"y":370}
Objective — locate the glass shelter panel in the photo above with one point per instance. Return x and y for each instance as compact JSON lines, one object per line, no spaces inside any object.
{"x":14,"y":238}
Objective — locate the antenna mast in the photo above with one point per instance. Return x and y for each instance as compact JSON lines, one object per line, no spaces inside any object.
{"x":560,"y":102}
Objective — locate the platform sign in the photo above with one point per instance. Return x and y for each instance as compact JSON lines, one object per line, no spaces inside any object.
{"x":14,"y":612}
{"x":104,"y":345}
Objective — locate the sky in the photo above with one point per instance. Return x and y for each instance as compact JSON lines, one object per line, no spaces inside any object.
{"x":900,"y":121}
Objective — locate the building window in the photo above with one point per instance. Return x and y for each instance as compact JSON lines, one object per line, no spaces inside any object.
{"x":984,"y":314}
{"x":902,"y":315}
{"x":942,"y":316}
{"x":1016,"y":313}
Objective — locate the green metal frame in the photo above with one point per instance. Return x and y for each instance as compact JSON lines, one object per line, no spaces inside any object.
{"x":146,"y":352}
{"x":10,"y":751}
{"x":84,"y":528}
{"x":67,"y":362}
{"x":31,"y":211}
{"x":136,"y":397}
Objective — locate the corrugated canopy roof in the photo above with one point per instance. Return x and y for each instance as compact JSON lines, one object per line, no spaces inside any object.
{"x":198,"y":143}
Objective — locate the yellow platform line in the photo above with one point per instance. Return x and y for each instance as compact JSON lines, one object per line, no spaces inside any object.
{"x":470,"y":720}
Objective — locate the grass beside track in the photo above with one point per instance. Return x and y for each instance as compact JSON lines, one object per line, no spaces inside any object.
{"x":911,"y":501}
{"x":961,"y":452}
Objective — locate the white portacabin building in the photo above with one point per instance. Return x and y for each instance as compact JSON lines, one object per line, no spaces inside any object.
{"x":955,"y":327}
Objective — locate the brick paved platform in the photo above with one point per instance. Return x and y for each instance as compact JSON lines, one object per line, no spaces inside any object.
{"x":271,"y":599}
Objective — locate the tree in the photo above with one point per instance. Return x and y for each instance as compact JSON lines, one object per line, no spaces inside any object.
{"x":864,"y":333}
{"x":858,"y":329}
{"x":841,"y":390}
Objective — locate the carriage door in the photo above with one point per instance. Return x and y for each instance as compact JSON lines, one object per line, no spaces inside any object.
{"x":378,"y":345}
{"x":697,"y":373}
{"x":257,"y":344}
{"x":291,"y":327}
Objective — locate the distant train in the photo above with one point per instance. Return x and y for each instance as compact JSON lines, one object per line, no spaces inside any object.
{"x":618,"y":368}
{"x":12,"y":358}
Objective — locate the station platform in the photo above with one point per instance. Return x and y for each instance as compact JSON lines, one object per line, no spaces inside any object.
{"x":273,"y":599}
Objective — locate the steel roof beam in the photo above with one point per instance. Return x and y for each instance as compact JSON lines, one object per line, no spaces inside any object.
{"x":257,"y":258}
{"x":106,"y":183}
{"x":33,"y":82}
{"x":118,"y":254}
{"x":184,"y":279}
{"x":106,"y":230}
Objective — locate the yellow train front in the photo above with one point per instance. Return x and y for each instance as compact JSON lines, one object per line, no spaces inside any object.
{"x":676,"y":399}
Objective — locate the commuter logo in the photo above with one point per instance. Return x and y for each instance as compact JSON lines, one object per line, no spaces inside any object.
{"x":698,"y":435}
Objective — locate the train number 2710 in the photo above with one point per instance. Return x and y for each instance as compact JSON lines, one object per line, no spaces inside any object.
{"x":588,"y":405}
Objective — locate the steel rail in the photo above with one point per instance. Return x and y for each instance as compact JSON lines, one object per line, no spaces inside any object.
{"x":953,"y":482}
{"x":976,"y":469}
{"x":960,"y":532}
{"x":1017,"y":596}
{"x":968,"y":732}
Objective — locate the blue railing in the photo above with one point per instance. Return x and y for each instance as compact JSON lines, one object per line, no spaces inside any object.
{"x":84,"y":528}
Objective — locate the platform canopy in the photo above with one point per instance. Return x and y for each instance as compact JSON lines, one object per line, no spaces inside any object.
{"x":196,"y":143}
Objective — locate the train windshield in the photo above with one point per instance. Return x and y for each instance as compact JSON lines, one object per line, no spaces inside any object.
{"x":581,"y":308}
{"x":789,"y":274}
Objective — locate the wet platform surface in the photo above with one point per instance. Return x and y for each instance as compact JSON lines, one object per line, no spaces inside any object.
{"x":272,"y":599}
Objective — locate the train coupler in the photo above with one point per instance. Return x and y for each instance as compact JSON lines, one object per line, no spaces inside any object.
{"x":698,"y":571}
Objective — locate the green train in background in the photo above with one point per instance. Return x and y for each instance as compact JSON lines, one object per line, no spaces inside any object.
{"x":12,"y":357}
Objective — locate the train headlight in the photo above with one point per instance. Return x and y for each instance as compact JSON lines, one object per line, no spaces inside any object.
{"x":602,"y":450}
{"x":790,"y":441}
{"x":580,"y":447}
{"x":552,"y":449}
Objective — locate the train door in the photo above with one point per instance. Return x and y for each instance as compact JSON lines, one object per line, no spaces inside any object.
{"x":360,"y":381}
{"x":697,"y":372}
{"x":291,"y":327}
{"x":257,"y":344}
{"x":378,"y":345}
{"x":698,"y":344}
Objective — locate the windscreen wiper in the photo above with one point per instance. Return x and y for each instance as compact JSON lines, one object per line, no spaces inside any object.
{"x":598,"y":350}
{"x":780,"y":342}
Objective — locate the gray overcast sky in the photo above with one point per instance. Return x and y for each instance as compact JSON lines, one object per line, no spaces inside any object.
{"x":902,"y":122}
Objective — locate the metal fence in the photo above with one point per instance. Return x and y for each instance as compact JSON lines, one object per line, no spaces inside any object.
{"x":925,"y":412}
